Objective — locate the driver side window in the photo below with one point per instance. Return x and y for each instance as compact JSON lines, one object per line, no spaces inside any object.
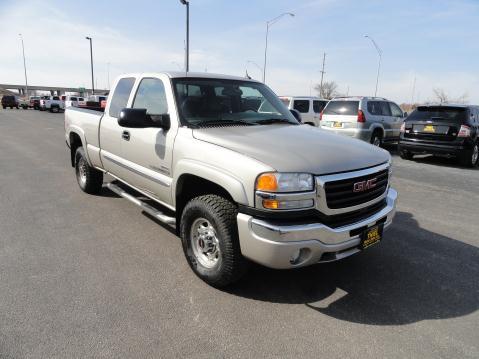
{"x":151,"y":95}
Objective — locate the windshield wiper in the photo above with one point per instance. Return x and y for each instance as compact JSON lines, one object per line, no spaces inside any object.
{"x":269,"y":121}
{"x":224,"y":122}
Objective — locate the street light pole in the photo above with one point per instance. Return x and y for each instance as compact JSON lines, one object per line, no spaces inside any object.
{"x":379,"y":63}
{"x":187,"y":55}
{"x":268,"y":25}
{"x":24,"y":65}
{"x":91,"y":60}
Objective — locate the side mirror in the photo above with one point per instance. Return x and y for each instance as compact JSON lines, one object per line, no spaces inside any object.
{"x":404,"y":114}
{"x":133,"y":118}
{"x":161,"y":121}
{"x":296,"y":115}
{"x":138,"y":118}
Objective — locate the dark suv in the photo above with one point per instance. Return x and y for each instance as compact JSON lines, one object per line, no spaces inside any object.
{"x":10,"y":101}
{"x":443,"y":130}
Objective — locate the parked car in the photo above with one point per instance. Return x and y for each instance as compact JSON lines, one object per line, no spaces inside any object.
{"x":24,"y":103}
{"x":10,"y":101}
{"x":52,"y":104}
{"x":35,"y":102}
{"x":309,"y":107}
{"x":372,"y":119}
{"x":234,"y":181}
{"x":451,"y":130}
{"x":74,"y":101}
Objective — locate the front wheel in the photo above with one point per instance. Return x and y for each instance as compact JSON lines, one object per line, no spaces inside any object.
{"x":405,"y":155}
{"x":470,"y":158}
{"x":89,"y":179}
{"x":209,"y":235}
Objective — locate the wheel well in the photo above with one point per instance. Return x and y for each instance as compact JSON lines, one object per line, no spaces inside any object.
{"x":75,"y":142}
{"x":190,"y":186}
{"x":378,"y":130}
{"x":309,"y":123}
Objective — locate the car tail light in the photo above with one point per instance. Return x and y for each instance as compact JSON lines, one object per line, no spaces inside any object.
{"x":403,"y":127}
{"x":321,"y":115}
{"x":465,"y":131}
{"x":361,"y":117}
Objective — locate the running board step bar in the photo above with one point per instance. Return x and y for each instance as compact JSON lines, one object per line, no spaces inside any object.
{"x":144,"y":206}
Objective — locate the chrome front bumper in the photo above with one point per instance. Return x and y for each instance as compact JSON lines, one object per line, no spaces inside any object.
{"x":276,"y":246}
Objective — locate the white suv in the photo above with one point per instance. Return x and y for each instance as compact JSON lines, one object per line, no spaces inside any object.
{"x":372,"y":119}
{"x":308,"y":107}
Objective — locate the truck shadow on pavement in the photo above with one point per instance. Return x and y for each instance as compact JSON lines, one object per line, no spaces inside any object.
{"x":413,"y":275}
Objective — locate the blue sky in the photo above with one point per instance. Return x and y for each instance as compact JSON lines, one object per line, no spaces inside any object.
{"x":434,"y":41}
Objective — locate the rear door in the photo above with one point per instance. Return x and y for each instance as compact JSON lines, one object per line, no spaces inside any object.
{"x":148,"y":152}
{"x":111,"y":132}
{"x":397,"y":119}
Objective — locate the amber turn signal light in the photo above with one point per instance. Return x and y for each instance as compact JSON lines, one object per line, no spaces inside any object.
{"x":267,"y":182}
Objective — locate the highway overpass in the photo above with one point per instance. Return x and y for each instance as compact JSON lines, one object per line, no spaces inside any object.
{"x":54,"y":90}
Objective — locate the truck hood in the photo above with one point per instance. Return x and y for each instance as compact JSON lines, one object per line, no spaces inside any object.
{"x":290,"y":148}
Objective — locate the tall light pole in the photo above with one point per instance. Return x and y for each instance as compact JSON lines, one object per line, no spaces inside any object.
{"x":268,"y":25}
{"x":91,"y":60}
{"x":24,"y":65}
{"x":379,"y":63}
{"x":322,"y":76}
{"x":108,"y":74}
{"x":187,"y":53}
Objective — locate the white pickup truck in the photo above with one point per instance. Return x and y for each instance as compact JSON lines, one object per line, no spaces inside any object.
{"x":52,"y":104}
{"x":227,"y":163}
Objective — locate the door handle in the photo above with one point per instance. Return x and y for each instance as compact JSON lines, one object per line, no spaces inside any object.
{"x":125,"y":135}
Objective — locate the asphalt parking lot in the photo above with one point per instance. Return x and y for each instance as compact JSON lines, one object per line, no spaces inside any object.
{"x":91,"y":276}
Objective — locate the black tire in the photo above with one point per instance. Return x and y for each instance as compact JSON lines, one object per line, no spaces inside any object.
{"x":220,"y":213}
{"x":470,"y":158}
{"x":4,"y":107}
{"x":405,"y":155}
{"x":89,"y":179}
{"x":377,"y":138}
{"x":11,"y":107}
{"x":17,"y":107}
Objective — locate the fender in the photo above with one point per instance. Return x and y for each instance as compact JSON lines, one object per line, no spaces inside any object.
{"x":77,"y":130}
{"x":216,"y":175}
{"x":379,"y":126}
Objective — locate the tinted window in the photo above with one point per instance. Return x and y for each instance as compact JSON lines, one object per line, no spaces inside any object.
{"x":301,"y":106}
{"x":374,"y":107}
{"x":82,"y":99}
{"x":120,"y":96}
{"x":385,"y":110}
{"x":395,"y":110}
{"x":73,"y":98}
{"x":318,"y":106}
{"x":349,"y":108}
{"x":151,"y":95}
{"x":56,"y":98}
{"x":439,"y":113}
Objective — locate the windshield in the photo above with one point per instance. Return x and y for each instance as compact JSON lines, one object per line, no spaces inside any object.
{"x":438,"y":113}
{"x":219,"y":101}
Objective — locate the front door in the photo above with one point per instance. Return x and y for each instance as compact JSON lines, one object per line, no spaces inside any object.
{"x":397,"y":119}
{"x":148,"y":152}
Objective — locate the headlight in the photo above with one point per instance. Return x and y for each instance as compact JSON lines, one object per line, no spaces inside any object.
{"x":285,"y":182}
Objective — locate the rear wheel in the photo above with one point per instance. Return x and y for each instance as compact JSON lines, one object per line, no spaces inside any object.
{"x":210,"y":241}
{"x":377,"y":138}
{"x":89,"y":179}
{"x":470,"y":158}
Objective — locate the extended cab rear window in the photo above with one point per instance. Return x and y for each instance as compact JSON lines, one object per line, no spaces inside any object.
{"x":121,"y":96}
{"x":347,"y":108}
{"x":446,"y":113}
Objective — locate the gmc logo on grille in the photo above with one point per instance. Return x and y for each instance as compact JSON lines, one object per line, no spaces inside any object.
{"x":364,"y":185}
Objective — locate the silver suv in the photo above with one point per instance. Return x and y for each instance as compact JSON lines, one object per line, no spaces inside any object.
{"x":372,"y":119}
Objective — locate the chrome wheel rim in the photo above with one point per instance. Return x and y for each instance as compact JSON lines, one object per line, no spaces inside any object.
{"x":205,"y":243}
{"x":475,"y":154}
{"x":377,"y":141}
{"x":82,"y":171}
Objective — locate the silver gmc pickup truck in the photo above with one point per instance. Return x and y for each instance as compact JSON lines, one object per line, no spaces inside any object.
{"x":224,"y":161}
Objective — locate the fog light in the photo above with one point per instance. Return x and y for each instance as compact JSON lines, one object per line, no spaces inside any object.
{"x":299,"y":255}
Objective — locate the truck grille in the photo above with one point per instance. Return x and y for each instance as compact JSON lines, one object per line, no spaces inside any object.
{"x":342,"y":194}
